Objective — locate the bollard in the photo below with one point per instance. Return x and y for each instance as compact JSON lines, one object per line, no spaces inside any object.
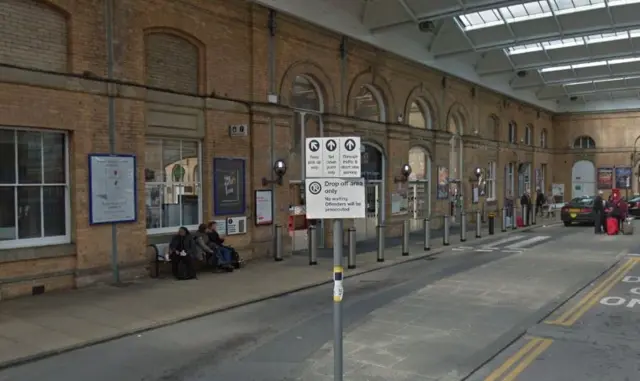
{"x":463,"y":226}
{"x":427,"y":235}
{"x":351,"y":259}
{"x":513,"y":217}
{"x":503,"y":226}
{"x":380,"y":233}
{"x":492,"y":223}
{"x":478,"y":224}
{"x":312,"y":239}
{"x":277,"y":252}
{"x":445,"y":235}
{"x":525,"y":215}
{"x":405,"y":237}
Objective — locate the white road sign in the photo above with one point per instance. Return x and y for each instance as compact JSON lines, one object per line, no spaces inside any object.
{"x":333,"y":157}
{"x":335,"y":198}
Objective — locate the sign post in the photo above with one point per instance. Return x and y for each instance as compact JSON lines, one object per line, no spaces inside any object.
{"x":335,"y":189}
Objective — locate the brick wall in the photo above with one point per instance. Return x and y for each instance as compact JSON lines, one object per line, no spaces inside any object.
{"x":220,"y":47}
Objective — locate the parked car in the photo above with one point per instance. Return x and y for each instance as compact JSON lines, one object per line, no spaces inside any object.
{"x":634,"y":206}
{"x":579,"y":210}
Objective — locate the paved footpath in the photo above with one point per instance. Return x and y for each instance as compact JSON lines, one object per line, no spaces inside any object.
{"x":34,"y":327}
{"x":448,"y":329}
{"x":594,"y":336}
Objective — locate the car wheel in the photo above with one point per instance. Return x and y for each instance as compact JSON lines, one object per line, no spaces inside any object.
{"x":567,"y":223}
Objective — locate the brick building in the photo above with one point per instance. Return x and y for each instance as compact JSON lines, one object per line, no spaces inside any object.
{"x":184,"y":72}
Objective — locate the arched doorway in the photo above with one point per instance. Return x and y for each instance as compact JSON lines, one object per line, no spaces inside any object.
{"x":456,"y":172}
{"x":308,"y":105}
{"x":583,"y":179}
{"x":373,"y":167}
{"x":419,"y":187}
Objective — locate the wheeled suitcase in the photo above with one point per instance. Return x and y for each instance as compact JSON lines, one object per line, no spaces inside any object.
{"x":612,"y":226}
{"x":627,"y":226}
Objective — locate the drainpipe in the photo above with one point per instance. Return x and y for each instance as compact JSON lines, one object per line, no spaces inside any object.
{"x":271,"y":73}
{"x":111,"y":120}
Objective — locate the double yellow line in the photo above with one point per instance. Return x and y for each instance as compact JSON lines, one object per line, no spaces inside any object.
{"x":570,"y":316}
{"x":517,"y":363}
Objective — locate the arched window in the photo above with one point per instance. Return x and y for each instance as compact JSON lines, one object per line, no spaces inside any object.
{"x":513,"y":132}
{"x":528,"y":135}
{"x":584,"y":142}
{"x":368,"y":104}
{"x":493,"y":127}
{"x":420,"y":115}
{"x":306,"y":100}
{"x":543,"y":138}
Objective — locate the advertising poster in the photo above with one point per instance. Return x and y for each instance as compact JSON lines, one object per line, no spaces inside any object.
{"x":228,"y":186}
{"x":443,"y":183}
{"x":605,"y":178}
{"x":623,"y":177}
{"x":264,"y":207}
{"x":112,"y":188}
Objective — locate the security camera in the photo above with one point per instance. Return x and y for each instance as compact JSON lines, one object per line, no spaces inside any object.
{"x":406,"y":170}
{"x":280,"y":168}
{"x":426,"y":26}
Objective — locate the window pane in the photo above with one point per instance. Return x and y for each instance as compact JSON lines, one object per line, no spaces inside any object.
{"x":29,"y":212}
{"x":54,"y":153}
{"x":7,"y":214}
{"x":171,"y":205}
{"x":189,"y":199}
{"x":29,"y":157}
{"x":154,"y":204}
{"x":153,"y":161}
{"x":7,"y":157}
{"x":171,"y":157}
{"x":54,"y":211}
{"x":189,"y":159}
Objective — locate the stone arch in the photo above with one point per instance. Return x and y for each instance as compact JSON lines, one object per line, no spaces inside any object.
{"x":426,"y":102}
{"x":375,"y":83}
{"x":316,"y":75}
{"x":583,"y":142}
{"x":48,"y":29}
{"x":459,"y":115}
{"x":174,"y":60}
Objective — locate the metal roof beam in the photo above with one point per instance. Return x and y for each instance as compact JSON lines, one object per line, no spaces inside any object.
{"x":598,"y":91}
{"x":574,"y":80}
{"x":536,"y":39}
{"x":461,"y":9}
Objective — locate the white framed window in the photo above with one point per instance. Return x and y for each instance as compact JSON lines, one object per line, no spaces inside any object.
{"x":527,"y":135}
{"x":34,"y":188}
{"x":491,"y":181}
{"x":543,"y":138}
{"x":172,"y":174}
{"x":509,"y":177}
{"x":513,"y":133}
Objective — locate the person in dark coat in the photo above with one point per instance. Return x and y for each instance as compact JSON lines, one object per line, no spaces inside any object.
{"x":525,"y":200}
{"x":540,"y":201}
{"x":182,"y":250}
{"x":599,"y":216}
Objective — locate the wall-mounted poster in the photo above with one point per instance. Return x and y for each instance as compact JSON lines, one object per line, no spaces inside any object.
{"x":623,"y":177}
{"x":605,"y":178}
{"x":263,"y":204}
{"x":228,"y":186}
{"x":443,"y":183}
{"x":112,"y":189}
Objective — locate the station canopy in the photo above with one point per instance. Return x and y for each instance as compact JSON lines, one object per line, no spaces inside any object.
{"x":561,"y":52}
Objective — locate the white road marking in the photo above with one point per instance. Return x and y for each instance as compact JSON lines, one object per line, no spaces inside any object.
{"x":502,"y":241}
{"x":529,"y":241}
{"x":633,"y":255}
{"x":512,"y":251}
{"x":485,"y":250}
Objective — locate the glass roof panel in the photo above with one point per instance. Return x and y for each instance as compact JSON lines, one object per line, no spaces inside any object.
{"x":533,"y":10}
{"x":574,"y":41}
{"x":601,"y":81}
{"x":590,"y":64}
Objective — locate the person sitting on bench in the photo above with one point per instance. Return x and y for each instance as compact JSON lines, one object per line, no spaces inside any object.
{"x":181,"y":251}
{"x":209,"y":252}
{"x":218,"y":242}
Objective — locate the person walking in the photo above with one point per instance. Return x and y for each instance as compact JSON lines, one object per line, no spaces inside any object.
{"x":599,"y":214}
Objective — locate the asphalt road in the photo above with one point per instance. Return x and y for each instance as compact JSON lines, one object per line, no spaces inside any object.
{"x":267,"y":341}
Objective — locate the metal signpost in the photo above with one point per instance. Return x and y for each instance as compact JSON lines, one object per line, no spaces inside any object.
{"x":335,"y":189}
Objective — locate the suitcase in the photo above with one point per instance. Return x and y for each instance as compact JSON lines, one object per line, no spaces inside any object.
{"x":612,"y":226}
{"x":627,"y":226}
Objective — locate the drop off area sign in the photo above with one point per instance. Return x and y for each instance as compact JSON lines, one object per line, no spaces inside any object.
{"x":334,"y":187}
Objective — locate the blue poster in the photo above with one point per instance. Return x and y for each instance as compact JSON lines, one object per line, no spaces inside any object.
{"x":623,"y":177}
